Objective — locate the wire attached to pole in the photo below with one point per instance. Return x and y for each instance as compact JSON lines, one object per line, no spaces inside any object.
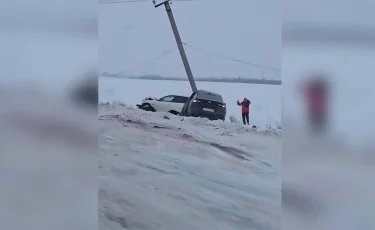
{"x":229,"y":58}
{"x":150,"y":61}
{"x":124,"y":1}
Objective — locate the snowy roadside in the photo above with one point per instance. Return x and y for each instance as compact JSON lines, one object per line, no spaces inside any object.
{"x":159,"y":171}
{"x":232,"y":125}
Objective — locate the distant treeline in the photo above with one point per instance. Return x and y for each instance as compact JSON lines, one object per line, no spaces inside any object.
{"x":206,"y":79}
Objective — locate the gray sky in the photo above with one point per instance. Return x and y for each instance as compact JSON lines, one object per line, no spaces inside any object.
{"x":131,"y":34}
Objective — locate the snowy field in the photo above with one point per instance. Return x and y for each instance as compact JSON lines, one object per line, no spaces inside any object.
{"x":265,"y":99}
{"x":159,"y":171}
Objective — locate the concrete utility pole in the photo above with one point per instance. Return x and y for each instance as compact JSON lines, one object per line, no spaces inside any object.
{"x":179,"y":43}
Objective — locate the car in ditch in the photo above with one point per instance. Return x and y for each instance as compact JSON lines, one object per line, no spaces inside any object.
{"x":203,"y":103}
{"x":170,"y":103}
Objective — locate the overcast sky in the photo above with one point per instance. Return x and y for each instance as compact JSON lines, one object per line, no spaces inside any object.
{"x":131,"y":34}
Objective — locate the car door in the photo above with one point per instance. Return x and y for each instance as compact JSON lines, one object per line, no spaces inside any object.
{"x":164,"y":104}
{"x":177,"y":103}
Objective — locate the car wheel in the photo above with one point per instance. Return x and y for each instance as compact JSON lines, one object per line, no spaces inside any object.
{"x":148,"y":107}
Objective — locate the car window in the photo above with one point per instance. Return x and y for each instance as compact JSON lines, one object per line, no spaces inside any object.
{"x":179,"y":99}
{"x":209,"y":96}
{"x":167,"y":98}
{"x":184,"y":99}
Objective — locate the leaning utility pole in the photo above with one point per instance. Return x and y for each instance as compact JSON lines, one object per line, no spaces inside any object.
{"x":179,"y":43}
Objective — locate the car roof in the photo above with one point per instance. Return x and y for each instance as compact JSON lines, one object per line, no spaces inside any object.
{"x":174,"y":95}
{"x":207,"y":95}
{"x":207,"y":92}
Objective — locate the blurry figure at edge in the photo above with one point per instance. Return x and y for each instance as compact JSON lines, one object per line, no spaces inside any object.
{"x":315,"y":94}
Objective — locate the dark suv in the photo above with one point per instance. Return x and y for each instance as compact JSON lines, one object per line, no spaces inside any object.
{"x":205,"y":104}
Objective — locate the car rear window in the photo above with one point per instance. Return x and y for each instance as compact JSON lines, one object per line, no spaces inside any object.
{"x":209,"y":96}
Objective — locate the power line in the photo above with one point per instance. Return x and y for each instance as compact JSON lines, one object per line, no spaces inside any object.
{"x":161,"y":56}
{"x":124,"y":1}
{"x":152,"y":60}
{"x":229,"y":58}
{"x":134,"y":1}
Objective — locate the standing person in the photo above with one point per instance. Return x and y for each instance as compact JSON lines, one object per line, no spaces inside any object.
{"x":245,"y":108}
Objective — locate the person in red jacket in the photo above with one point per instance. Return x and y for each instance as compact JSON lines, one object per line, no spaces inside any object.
{"x":245,"y":108}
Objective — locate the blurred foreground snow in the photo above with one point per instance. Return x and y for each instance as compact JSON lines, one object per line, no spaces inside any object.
{"x":48,"y":163}
{"x":159,"y":171}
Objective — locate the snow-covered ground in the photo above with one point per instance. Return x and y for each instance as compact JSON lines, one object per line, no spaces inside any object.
{"x":265,"y":99}
{"x":159,"y":171}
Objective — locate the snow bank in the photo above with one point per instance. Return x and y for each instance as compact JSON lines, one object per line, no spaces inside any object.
{"x":226,"y":128}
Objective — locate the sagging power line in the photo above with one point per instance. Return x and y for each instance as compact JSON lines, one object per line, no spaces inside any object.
{"x":167,"y":52}
{"x":124,"y":1}
{"x":135,"y":1}
{"x":170,"y":51}
{"x":229,"y":58}
{"x":161,"y":56}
